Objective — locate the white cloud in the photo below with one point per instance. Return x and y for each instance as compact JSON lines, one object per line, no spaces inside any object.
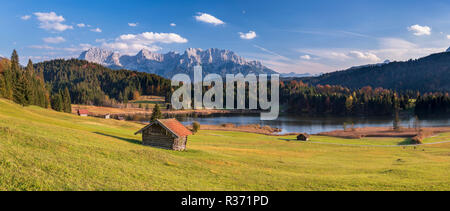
{"x":305,"y":57}
{"x":399,"y":49}
{"x":364,"y":56}
{"x":81,"y":25}
{"x":336,"y":55}
{"x":51,"y":21}
{"x":46,"y":47}
{"x":54,"y":40}
{"x":173,"y":24}
{"x":72,"y":48}
{"x":207,"y":18}
{"x":100,"y":40}
{"x":49,"y":17}
{"x":396,"y":43}
{"x":248,"y":36}
{"x":285,"y":65}
{"x":132,"y":24}
{"x":342,"y":55}
{"x":98,"y":30}
{"x":25,"y":17}
{"x":131,"y":43}
{"x":277,"y":56}
{"x":85,"y":46}
{"x":448,"y":36}
{"x":420,"y":30}
{"x":394,"y":49}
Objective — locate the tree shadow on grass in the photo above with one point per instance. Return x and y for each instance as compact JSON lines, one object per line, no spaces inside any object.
{"x":286,"y":139}
{"x":407,"y":141}
{"x":133,"y":141}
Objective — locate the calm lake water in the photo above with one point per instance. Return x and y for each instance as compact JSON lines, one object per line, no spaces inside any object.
{"x":314,"y":125}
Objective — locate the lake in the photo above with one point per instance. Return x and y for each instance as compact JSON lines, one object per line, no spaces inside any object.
{"x":314,"y":125}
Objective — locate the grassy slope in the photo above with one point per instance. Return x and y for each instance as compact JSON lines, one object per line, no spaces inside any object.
{"x":45,"y":150}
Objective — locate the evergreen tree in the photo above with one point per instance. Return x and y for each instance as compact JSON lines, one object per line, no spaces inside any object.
{"x":9,"y":85}
{"x":30,"y":68}
{"x":20,"y":92}
{"x":22,"y":86}
{"x":15,"y":61}
{"x":66,"y":101}
{"x":2,"y":86}
{"x":57,"y":102}
{"x":156,"y":113}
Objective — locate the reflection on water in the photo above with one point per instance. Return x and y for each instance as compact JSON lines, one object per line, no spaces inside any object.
{"x":314,"y":125}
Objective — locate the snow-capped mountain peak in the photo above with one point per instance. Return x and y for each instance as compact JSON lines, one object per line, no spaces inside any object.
{"x":213,"y":60}
{"x":97,"y":55}
{"x":148,"y":55}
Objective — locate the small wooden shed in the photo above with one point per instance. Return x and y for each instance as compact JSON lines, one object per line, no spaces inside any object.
{"x":303,"y":137}
{"x":83,"y":112}
{"x":165,"y":133}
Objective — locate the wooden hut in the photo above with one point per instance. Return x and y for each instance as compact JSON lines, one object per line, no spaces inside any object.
{"x":165,"y":133}
{"x":83,"y":112}
{"x":303,"y":137}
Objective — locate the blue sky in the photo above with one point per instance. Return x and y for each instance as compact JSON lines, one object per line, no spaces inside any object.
{"x":287,"y":36}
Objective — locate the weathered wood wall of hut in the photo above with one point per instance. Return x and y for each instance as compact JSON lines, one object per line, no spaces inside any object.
{"x":158,"y":137}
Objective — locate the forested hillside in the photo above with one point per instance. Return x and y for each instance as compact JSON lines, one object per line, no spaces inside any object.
{"x":23,"y":85}
{"x":90,"y":83}
{"x":428,"y":74}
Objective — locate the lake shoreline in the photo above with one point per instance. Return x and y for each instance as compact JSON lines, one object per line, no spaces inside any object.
{"x":103,"y":110}
{"x":356,"y":133}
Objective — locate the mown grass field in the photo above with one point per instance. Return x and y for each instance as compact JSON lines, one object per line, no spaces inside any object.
{"x":45,"y":150}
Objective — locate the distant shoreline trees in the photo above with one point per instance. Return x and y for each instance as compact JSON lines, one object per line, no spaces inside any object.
{"x":302,"y":98}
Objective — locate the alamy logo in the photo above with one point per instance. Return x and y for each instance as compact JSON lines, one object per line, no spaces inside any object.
{"x":214,"y":97}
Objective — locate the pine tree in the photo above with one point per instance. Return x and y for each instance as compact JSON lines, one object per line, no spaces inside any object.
{"x":9,"y":86}
{"x":156,"y":113}
{"x":15,"y":61}
{"x":30,"y":68}
{"x":20,"y":92}
{"x":57,"y":102}
{"x":67,"y":101}
{"x":2,"y":86}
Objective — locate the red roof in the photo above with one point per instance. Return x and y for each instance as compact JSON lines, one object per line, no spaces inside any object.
{"x":172,"y":125}
{"x":83,"y":111}
{"x":175,"y":126}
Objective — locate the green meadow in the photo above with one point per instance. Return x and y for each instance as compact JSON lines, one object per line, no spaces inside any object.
{"x":45,"y":150}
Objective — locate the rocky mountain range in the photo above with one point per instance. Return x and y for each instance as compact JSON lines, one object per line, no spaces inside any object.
{"x":298,"y":75}
{"x":213,"y":60}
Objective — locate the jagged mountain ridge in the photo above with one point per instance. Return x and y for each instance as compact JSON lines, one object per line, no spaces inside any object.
{"x":213,"y":60}
{"x":298,"y":75}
